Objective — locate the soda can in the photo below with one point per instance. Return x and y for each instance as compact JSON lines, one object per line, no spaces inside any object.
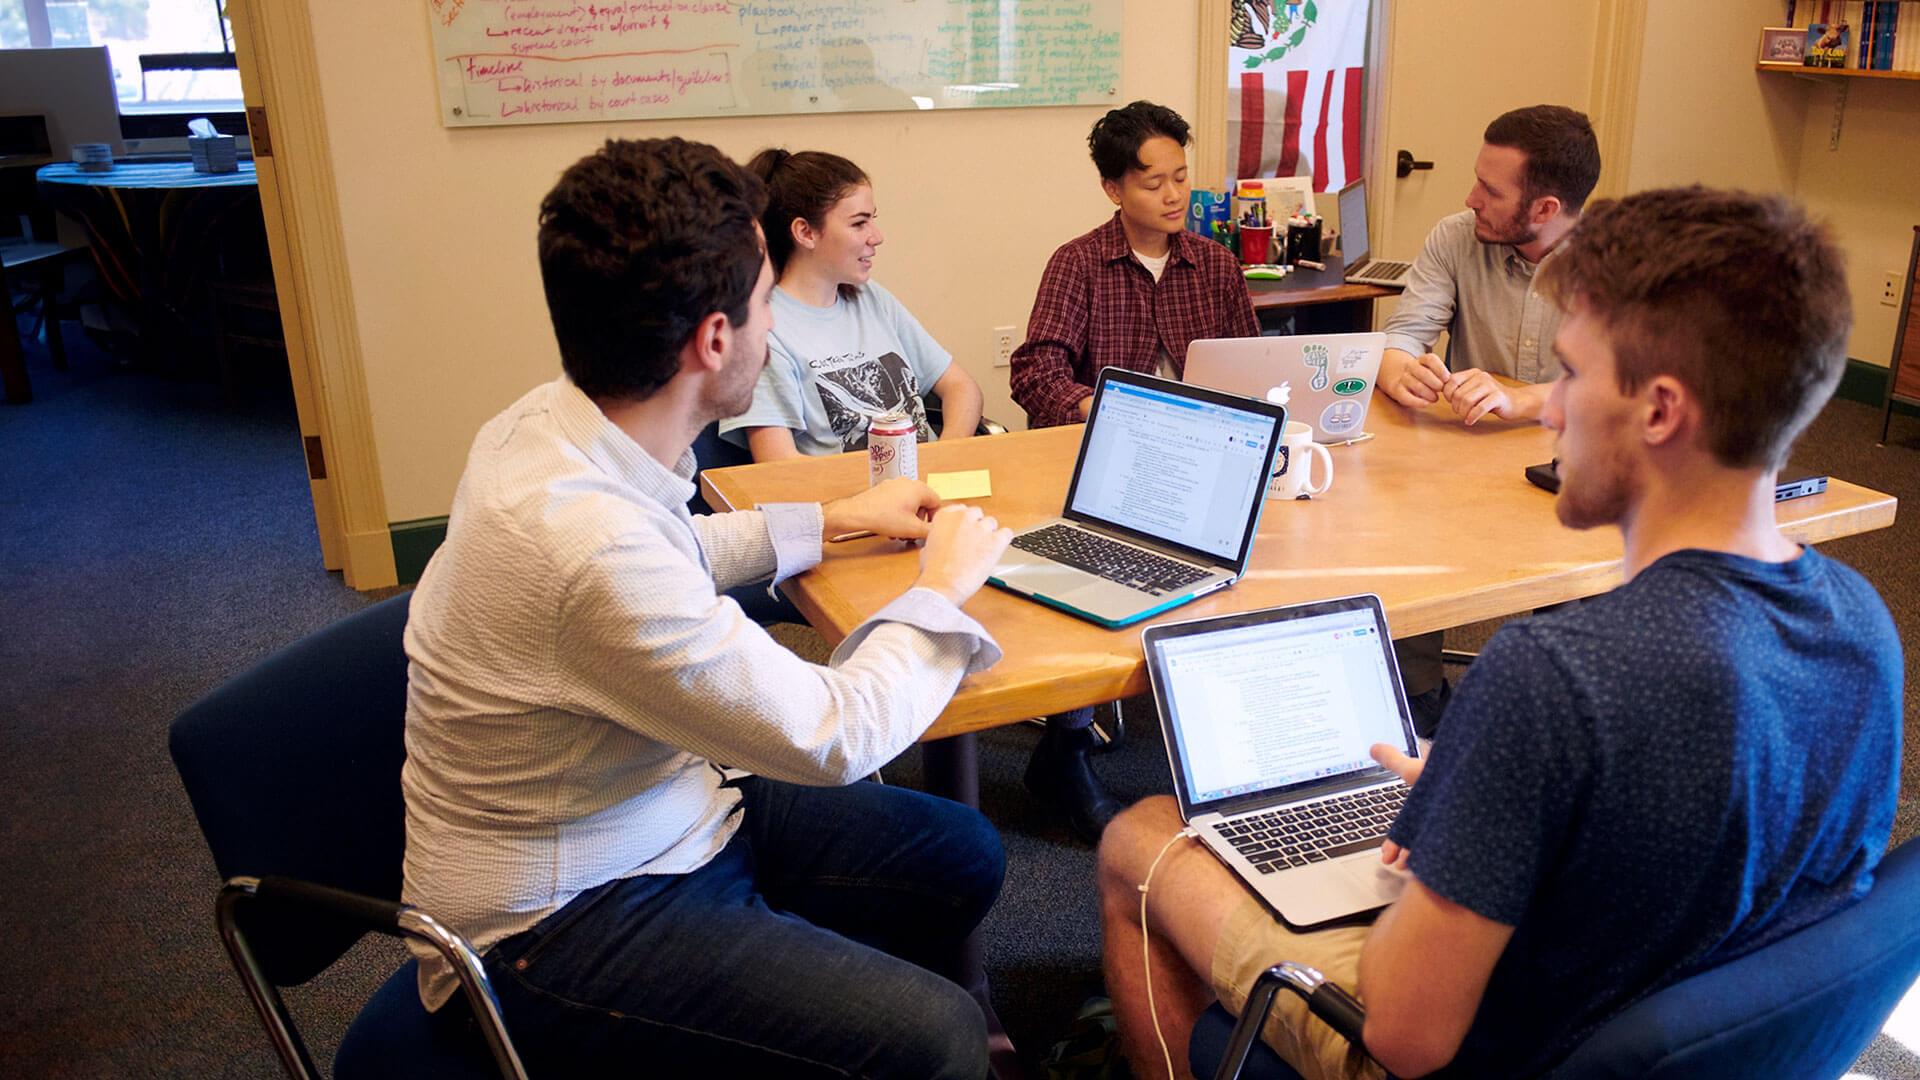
{"x":892,"y":449}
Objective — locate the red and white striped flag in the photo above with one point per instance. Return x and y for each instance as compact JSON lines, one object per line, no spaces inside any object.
{"x":1294,"y":102}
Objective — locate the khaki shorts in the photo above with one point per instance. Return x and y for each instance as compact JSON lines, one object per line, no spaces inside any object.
{"x":1253,"y":941}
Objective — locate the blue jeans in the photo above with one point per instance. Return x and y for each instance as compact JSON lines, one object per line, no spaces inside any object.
{"x":813,"y":945}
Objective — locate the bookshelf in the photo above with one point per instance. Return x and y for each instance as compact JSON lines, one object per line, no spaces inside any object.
{"x":1840,"y":77}
{"x":1835,"y":73}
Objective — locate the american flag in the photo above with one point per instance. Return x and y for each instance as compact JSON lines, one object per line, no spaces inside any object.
{"x":1294,"y":101}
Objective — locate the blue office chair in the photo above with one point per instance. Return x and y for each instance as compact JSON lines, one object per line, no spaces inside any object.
{"x":1806,"y":1005}
{"x":293,"y":768}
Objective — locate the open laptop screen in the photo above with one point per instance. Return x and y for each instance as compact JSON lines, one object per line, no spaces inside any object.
{"x":1180,"y":465}
{"x":1260,"y":707}
{"x":1353,"y":222}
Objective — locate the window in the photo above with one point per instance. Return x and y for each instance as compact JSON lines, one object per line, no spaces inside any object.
{"x":165,"y":52}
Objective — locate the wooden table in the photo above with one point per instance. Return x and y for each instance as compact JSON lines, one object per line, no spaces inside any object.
{"x":1434,"y":517}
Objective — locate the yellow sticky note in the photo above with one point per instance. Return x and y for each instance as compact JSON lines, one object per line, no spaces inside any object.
{"x":973,"y":484}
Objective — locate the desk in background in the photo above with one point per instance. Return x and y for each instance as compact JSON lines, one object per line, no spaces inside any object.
{"x":161,"y":233}
{"x":1434,"y":517}
{"x":1319,"y":301}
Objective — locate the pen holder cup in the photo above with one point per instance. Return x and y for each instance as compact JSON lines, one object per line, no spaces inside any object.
{"x":1256,"y":244}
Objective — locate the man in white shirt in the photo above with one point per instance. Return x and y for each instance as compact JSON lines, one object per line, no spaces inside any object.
{"x":578,"y":681}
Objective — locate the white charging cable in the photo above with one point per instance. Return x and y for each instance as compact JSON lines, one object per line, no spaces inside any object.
{"x":1146,"y":956}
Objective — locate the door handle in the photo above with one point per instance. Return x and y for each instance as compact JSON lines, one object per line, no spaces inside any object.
{"x":1404,"y":164}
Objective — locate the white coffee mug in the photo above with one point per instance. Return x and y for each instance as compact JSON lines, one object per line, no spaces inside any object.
{"x":1293,"y":464}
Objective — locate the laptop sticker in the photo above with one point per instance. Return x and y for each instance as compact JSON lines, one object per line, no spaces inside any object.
{"x":1315,"y":356}
{"x":1340,"y":417}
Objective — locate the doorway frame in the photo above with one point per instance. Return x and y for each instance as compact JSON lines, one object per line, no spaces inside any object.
{"x":1612,"y":95}
{"x":279,"y":78}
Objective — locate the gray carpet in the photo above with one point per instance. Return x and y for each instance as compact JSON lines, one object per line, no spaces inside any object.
{"x":154,"y":541}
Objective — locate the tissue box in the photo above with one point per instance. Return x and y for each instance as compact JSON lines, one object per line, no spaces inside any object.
{"x":214,"y":155}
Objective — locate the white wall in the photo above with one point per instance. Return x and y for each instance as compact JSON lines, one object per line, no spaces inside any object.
{"x":1706,"y":116}
{"x":439,"y":224}
{"x":1703,"y":114}
{"x":1868,"y":190}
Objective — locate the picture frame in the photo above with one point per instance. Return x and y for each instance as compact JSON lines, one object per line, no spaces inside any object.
{"x":1289,"y":195}
{"x":1783,"y":46}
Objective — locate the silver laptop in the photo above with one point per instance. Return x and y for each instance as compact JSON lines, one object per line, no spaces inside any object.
{"x":1354,"y":242}
{"x":1163,"y":507}
{"x":1268,"y":718}
{"x":1325,"y":380}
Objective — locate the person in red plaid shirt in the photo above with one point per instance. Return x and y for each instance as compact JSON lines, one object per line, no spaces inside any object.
{"x":1135,"y":291}
{"x":1132,"y":293}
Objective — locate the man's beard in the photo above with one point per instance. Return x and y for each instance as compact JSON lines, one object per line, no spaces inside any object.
{"x":1605,"y":487}
{"x":1515,"y":232}
{"x":731,"y":397}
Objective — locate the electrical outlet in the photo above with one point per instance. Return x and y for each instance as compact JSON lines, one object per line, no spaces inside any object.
{"x":1003,"y":346}
{"x":1890,"y":289}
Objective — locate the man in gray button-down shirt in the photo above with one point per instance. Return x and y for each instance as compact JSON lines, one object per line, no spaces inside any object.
{"x":1474,"y":277}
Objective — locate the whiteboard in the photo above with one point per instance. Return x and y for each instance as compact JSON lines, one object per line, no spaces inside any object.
{"x":555,"y":61}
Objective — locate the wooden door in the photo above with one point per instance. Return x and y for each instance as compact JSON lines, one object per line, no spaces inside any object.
{"x":1451,"y":68}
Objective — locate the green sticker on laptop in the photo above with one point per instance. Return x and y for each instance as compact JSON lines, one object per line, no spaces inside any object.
{"x":1349,"y":387}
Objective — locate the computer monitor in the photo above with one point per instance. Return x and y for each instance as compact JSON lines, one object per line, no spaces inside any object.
{"x":72,"y":88}
{"x":1353,"y":222}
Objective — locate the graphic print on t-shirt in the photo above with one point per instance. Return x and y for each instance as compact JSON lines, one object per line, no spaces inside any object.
{"x":855,"y":388}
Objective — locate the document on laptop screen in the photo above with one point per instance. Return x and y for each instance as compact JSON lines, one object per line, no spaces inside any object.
{"x":1176,"y":469}
{"x":1261,"y":707}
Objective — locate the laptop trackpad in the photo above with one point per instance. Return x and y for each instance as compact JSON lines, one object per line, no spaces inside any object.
{"x":1027,"y":573}
{"x":1371,"y":875}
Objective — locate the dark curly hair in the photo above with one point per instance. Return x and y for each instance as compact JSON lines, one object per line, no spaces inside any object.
{"x":1116,"y":137}
{"x":639,"y":241}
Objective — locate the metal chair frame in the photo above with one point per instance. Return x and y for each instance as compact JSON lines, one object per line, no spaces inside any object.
{"x":378,"y":916}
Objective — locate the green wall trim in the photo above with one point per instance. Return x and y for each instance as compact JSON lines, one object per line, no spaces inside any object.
{"x":414,"y":542}
{"x":1867,"y":384}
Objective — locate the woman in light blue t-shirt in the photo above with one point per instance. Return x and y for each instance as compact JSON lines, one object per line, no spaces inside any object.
{"x":843,"y":350}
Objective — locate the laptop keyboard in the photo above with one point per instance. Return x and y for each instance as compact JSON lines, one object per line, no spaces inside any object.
{"x":1110,"y":559}
{"x":1315,"y":832}
{"x":1388,"y":269}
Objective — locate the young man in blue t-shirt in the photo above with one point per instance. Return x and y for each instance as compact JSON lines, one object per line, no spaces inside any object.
{"x":1626,"y":792}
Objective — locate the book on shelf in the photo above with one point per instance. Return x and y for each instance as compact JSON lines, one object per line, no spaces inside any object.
{"x":1859,"y":35}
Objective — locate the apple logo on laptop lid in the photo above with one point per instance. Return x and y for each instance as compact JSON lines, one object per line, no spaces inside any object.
{"x":1279,"y":395}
